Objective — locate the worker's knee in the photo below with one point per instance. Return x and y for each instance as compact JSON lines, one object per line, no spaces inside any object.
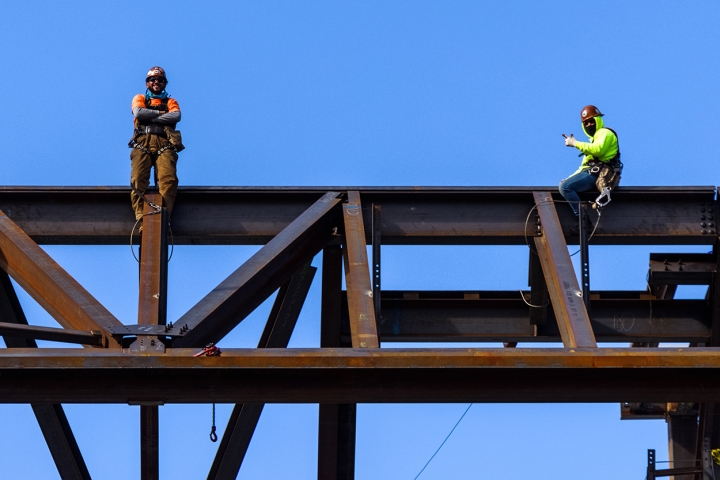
{"x":564,"y":187}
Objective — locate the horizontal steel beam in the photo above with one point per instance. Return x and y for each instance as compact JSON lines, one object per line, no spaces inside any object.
{"x":411,"y":215}
{"x":497,"y":316}
{"x":361,"y":376}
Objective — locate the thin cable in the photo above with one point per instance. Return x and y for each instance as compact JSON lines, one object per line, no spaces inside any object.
{"x":172,"y":243}
{"x":527,"y":220}
{"x":443,"y":443}
{"x":530,"y":304}
{"x":591,"y":233}
{"x":132,"y":233}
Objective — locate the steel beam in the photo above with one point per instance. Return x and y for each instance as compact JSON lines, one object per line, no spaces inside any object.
{"x":152,"y":301}
{"x":411,"y":215}
{"x":152,"y":310}
{"x":539,"y":300}
{"x":488,"y":316}
{"x":336,"y":429}
{"x":682,"y":436}
{"x":246,"y":288}
{"x":63,"y":297}
{"x":93,"y":338}
{"x":565,"y":293}
{"x":51,"y":418}
{"x":376,"y":260}
{"x":149,"y":442}
{"x":244,"y":417}
{"x":331,"y":306}
{"x":363,"y":328}
{"x":709,"y":419}
{"x":336,"y":441}
{"x":361,"y":375}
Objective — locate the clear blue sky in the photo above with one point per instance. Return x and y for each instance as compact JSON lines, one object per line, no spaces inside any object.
{"x":356,"y":93}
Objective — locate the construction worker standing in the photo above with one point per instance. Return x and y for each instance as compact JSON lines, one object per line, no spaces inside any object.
{"x":602,"y":152}
{"x":155,"y":142}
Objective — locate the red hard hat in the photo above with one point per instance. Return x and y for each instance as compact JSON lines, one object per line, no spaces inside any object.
{"x":156,"y":72}
{"x":588,"y":112}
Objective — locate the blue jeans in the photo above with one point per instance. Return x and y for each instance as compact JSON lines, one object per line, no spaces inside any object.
{"x":574,"y":184}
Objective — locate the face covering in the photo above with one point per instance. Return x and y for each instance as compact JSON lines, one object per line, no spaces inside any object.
{"x":590,"y":129}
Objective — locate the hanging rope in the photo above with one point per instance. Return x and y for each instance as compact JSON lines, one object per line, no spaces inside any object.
{"x":213,"y":435}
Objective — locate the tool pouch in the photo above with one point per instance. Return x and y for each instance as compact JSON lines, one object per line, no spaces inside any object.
{"x":607,"y":177}
{"x":175,"y":138}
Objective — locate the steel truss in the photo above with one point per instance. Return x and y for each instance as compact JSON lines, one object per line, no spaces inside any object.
{"x":151,"y":363}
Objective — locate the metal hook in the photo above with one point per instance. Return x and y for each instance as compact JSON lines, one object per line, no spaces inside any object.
{"x":604,"y":193}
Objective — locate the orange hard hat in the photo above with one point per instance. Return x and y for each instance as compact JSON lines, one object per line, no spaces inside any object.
{"x":588,"y":112}
{"x":156,"y":72}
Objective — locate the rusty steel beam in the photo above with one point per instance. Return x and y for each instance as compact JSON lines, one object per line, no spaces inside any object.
{"x":246,"y":288}
{"x":361,"y":375}
{"x":244,"y":417}
{"x":565,"y":293}
{"x":361,"y":309}
{"x":51,"y":286}
{"x":152,"y":301}
{"x":411,"y":215}
{"x":497,"y":316}
{"x":81,"y":337}
{"x":51,"y":418}
{"x":152,"y":310}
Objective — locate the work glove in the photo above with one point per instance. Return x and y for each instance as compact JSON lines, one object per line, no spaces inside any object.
{"x":570,"y":141}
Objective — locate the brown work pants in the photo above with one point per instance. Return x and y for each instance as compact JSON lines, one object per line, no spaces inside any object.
{"x":142,"y":162}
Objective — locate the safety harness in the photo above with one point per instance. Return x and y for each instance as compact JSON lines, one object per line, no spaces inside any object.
{"x":614,"y":163}
{"x":607,"y":173}
{"x":144,"y":128}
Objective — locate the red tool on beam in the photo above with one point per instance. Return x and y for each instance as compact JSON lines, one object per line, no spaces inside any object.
{"x":211,"y":350}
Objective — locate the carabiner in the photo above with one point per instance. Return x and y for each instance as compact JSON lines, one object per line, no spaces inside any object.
{"x":604,"y":193}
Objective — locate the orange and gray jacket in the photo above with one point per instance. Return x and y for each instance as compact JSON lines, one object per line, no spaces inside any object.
{"x":148,"y":118}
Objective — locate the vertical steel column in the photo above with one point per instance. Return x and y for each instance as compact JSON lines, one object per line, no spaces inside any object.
{"x":651,"y":465}
{"x":538,"y":291}
{"x":149,"y":443}
{"x":709,"y":424}
{"x":152,"y":310}
{"x":376,"y":242}
{"x":152,"y":303}
{"x":336,"y":433}
{"x":682,"y":435}
{"x":584,"y":255}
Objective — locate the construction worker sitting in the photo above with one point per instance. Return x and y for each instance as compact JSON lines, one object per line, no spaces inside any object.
{"x":155,"y":142}
{"x":601,"y":160}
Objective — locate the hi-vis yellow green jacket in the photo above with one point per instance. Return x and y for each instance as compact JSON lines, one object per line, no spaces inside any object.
{"x":602,"y":147}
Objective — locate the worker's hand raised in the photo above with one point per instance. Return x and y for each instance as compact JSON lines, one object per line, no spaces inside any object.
{"x":570,"y":141}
